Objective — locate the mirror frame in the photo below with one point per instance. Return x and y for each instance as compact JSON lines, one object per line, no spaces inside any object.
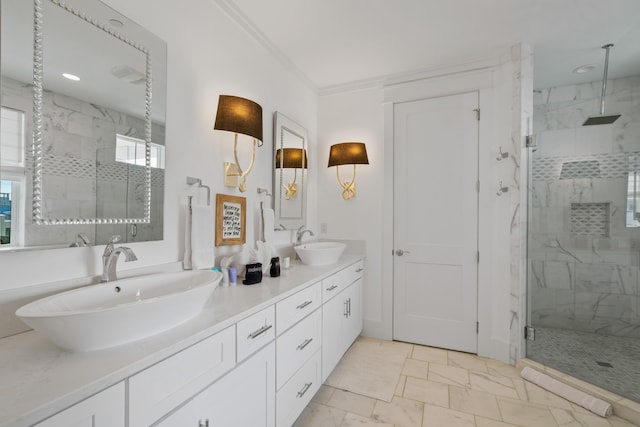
{"x":38,"y":157}
{"x":282,"y":123}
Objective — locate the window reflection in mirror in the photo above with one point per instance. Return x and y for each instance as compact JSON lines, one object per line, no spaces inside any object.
{"x":12,"y":175}
{"x":290,"y":172}
{"x":633,"y":192}
{"x":81,"y":121}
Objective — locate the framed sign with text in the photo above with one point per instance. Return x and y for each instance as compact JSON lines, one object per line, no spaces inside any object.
{"x":230,"y":220}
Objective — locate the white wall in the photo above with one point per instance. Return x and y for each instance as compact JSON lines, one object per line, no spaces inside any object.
{"x":208,"y":55}
{"x":363,"y":115}
{"x":356,"y":116}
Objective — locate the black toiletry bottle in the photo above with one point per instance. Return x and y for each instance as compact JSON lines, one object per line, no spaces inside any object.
{"x":275,"y":267}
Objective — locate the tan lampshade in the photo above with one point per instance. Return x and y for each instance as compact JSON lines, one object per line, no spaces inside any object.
{"x":348,"y":153}
{"x":239,"y":115}
{"x":293,"y":158}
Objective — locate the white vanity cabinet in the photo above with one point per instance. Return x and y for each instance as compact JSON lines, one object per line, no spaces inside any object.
{"x":160,"y":388}
{"x":243,"y":397}
{"x":341,"y":317}
{"x":298,"y":373}
{"x":259,"y":369}
{"x":105,"y":409}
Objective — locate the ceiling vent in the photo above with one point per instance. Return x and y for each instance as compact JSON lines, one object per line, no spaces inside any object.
{"x":128,"y":74}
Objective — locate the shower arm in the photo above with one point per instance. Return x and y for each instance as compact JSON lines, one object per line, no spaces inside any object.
{"x":604,"y":78}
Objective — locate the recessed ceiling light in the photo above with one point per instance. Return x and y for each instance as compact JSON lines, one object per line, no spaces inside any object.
{"x":116,"y":23}
{"x":70,"y":77}
{"x":584,"y":69}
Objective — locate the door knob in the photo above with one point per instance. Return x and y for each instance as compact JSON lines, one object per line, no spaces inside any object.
{"x":401,"y":252}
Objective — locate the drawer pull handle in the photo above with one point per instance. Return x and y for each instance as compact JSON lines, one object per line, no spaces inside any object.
{"x":305,"y":343}
{"x":304,"y":389}
{"x":332,"y":287}
{"x":359,"y":270}
{"x":259,"y":332}
{"x":304,"y":304}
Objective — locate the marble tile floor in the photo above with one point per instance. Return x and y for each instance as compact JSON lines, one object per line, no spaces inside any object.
{"x":440,"y":388}
{"x":578,"y":353}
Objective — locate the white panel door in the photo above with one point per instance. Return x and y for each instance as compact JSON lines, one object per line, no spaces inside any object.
{"x":436,"y":221}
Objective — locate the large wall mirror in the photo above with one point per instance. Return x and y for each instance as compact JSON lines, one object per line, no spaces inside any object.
{"x":290,"y":172}
{"x":82,"y":146}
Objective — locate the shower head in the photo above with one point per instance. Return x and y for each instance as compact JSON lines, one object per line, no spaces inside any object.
{"x":603,"y":119}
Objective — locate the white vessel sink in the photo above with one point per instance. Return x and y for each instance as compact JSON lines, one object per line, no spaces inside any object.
{"x":113,"y":313}
{"x":320,"y":253}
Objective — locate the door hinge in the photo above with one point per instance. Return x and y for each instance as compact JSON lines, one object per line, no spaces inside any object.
{"x":477,"y":327}
{"x":478,"y":257}
{"x":477,"y":186}
{"x":529,"y":333}
{"x":477,"y":110}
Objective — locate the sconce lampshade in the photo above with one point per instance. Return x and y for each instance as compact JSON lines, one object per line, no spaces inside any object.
{"x":348,"y":153}
{"x":293,"y":158}
{"x":239,"y":115}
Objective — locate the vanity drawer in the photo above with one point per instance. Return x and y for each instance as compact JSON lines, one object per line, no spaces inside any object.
{"x":297,"y":392}
{"x":296,"y":346}
{"x":160,"y":388}
{"x":294,"y":308}
{"x":105,"y":409}
{"x":255,"y":331}
{"x":332,"y":285}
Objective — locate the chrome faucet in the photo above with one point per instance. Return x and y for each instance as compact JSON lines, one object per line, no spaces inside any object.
{"x":110,"y":258}
{"x":81,"y":241}
{"x":300,"y":233}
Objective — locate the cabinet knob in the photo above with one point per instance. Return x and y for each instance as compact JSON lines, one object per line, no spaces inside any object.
{"x":203,"y":424}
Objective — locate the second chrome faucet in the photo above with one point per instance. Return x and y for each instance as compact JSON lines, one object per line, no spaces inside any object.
{"x":300,"y":233}
{"x":110,"y":258}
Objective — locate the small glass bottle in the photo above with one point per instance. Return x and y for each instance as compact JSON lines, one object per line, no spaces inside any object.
{"x":275,"y":267}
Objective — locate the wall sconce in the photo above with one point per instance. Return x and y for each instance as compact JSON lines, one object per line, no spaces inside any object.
{"x":348,"y":153}
{"x":291,"y":158}
{"x":239,"y":115}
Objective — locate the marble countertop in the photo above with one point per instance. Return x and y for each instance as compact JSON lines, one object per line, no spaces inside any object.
{"x":38,"y":379}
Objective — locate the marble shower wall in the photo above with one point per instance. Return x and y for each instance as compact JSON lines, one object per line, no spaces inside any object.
{"x":584,"y":260}
{"x":80,"y":175}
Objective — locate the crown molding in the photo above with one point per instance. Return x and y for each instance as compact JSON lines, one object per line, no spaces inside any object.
{"x":407,"y":77}
{"x":247,"y":25}
{"x":243,"y":21}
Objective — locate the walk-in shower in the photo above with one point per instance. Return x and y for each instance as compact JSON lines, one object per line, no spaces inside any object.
{"x":584,"y":235}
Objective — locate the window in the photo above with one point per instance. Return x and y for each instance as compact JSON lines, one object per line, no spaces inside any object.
{"x":12,"y":179}
{"x":12,"y":137}
{"x":131,"y":150}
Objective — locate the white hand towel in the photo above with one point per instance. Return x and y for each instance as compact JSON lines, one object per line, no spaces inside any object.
{"x":268,"y":222}
{"x":202,"y":236}
{"x":186,"y":261}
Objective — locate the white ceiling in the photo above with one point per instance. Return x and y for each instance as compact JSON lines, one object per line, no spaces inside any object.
{"x":341,"y":42}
